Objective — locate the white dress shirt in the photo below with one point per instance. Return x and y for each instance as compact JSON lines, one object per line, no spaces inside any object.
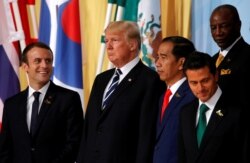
{"x":210,"y":104}
{"x":30,"y":100}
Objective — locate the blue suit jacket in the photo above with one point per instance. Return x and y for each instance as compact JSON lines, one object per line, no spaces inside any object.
{"x":165,"y":150}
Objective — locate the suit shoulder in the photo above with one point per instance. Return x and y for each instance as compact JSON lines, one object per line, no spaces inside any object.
{"x":190,"y":105}
{"x":16,"y":97}
{"x":64,"y":90}
{"x":147,"y":72}
{"x":105,"y":73}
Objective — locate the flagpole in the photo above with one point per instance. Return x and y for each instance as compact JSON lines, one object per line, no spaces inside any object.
{"x":33,"y":20}
{"x":102,"y":49}
{"x":119,"y":16}
{"x":18,"y":24}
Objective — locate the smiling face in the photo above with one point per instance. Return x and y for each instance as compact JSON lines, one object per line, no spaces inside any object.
{"x":38,"y":66}
{"x":224,"y":28}
{"x":202,"y":83}
{"x":168,"y":66}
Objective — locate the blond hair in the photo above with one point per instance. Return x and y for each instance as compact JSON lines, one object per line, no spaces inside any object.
{"x":130,"y":29}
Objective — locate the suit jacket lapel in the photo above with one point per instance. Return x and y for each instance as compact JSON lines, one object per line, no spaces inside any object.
{"x":178,"y":96}
{"x":126,"y":82}
{"x":23,"y":110}
{"x":46,"y":104}
{"x":191,"y":123}
{"x":217,"y":116}
{"x":232,"y":54}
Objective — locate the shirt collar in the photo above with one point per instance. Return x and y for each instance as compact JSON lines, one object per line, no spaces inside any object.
{"x":213,"y":100}
{"x":126,"y":68}
{"x":225,"y":51}
{"x":43,"y":90}
{"x":176,"y":85}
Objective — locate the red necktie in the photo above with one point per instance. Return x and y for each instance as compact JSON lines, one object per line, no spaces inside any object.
{"x":165,"y":102}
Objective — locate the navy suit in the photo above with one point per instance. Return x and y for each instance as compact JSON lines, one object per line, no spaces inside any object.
{"x":124,"y":131}
{"x":166,"y":136}
{"x":223,"y":137}
{"x":58,"y":132}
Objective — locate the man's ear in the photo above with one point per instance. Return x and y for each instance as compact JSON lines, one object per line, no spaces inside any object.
{"x":132,"y":45}
{"x":181,"y":60}
{"x":24,"y":66}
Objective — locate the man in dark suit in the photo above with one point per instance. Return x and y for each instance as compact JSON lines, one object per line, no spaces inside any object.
{"x":49,"y":132}
{"x":233,"y":58}
{"x":171,"y":56}
{"x":211,"y":128}
{"x":120,"y":126}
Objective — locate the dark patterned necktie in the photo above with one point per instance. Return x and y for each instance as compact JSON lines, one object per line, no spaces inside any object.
{"x":34,"y":115}
{"x":111,"y":88}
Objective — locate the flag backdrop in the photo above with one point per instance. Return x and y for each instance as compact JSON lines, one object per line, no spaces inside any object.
{"x":9,"y":59}
{"x":147,"y":15}
{"x":149,"y":21}
{"x":60,"y":28}
{"x":175,"y":18}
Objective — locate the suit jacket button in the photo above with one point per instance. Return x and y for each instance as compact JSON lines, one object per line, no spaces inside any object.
{"x":99,"y":131}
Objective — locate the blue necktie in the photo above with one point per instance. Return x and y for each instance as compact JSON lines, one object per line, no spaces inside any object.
{"x":34,"y":115}
{"x":202,"y":123}
{"x":111,"y":88}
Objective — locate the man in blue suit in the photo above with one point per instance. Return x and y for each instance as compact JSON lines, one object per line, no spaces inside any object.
{"x":172,"y":53}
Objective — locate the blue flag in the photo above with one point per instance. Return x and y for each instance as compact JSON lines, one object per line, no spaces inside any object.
{"x":60,"y":28}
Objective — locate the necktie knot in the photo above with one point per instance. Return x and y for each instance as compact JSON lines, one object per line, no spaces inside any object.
{"x":219,"y":59}
{"x":36,"y":95}
{"x":118,"y":72}
{"x":203,"y":109}
{"x":168,"y":93}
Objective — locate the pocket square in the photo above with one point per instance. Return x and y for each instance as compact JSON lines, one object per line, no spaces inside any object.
{"x":225,"y":71}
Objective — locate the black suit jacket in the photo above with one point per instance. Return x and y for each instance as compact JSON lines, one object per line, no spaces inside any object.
{"x":124,"y":131}
{"x":223,"y":137}
{"x":234,"y":73}
{"x":57,"y":135}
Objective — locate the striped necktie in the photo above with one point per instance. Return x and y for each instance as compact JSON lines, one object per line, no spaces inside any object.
{"x":111,"y":88}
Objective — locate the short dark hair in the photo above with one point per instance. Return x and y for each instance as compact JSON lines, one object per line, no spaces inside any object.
{"x":197,"y":60}
{"x":182,"y":46}
{"x":232,"y":9}
{"x":31,"y":46}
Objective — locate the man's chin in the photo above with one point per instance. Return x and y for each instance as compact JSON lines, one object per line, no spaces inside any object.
{"x":222,"y":45}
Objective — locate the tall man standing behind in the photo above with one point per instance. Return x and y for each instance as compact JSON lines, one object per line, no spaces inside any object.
{"x":120,"y":122}
{"x":233,"y":59}
{"x":171,"y":56}
{"x":42,"y":124}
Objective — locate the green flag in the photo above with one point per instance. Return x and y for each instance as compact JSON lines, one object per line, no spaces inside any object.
{"x":150,"y":24}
